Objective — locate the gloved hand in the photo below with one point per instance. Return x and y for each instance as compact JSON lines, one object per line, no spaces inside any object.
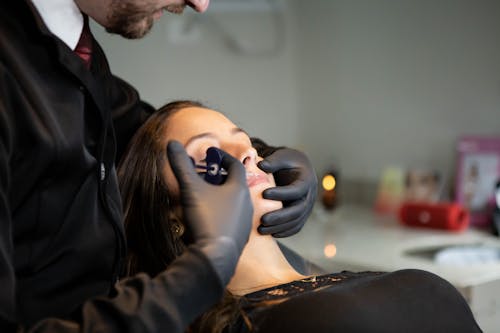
{"x":297,"y":188}
{"x":219,"y":217}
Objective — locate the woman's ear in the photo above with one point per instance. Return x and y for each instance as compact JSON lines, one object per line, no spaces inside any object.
{"x":176,"y":225}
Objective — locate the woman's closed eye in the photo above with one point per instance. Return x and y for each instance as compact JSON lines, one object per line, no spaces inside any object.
{"x":200,"y":167}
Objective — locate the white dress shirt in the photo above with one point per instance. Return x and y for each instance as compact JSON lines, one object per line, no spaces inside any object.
{"x":63,"y":18}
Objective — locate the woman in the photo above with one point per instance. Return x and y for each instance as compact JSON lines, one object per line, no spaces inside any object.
{"x":266,"y":294}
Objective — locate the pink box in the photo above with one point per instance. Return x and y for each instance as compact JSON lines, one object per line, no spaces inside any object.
{"x":478,"y":170}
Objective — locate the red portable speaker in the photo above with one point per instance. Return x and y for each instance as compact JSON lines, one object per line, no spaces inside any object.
{"x":448,"y":216}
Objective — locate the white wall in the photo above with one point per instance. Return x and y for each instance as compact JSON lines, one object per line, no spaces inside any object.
{"x":388,"y":82}
{"x":258,"y":92}
{"x":362,"y":83}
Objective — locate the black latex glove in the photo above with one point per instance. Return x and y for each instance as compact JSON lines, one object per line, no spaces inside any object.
{"x":218,"y":217}
{"x":296,"y":186}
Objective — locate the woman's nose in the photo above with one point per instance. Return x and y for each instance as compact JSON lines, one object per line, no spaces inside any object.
{"x":249,"y":156}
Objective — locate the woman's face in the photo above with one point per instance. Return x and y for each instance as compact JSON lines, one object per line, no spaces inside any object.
{"x":198,"y":129}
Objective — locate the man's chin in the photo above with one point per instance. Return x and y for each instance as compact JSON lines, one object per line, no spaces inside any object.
{"x":175,"y":9}
{"x":133,"y":31}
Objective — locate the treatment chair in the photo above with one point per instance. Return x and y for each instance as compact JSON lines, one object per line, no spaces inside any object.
{"x":299,"y":263}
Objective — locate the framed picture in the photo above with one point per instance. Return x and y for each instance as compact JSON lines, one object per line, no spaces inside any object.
{"x":478,"y":171}
{"x":398,"y":185}
{"x":423,"y":185}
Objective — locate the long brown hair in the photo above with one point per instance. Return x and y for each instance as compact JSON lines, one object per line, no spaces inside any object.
{"x":153,"y":243}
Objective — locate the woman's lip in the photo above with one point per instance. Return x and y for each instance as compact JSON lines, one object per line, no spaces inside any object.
{"x":256,"y":178}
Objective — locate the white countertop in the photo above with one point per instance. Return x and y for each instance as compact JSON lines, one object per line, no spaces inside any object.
{"x":366,"y":241}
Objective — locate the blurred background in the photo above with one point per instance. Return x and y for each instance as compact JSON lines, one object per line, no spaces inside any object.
{"x":362,"y":84}
{"x":368,"y":89}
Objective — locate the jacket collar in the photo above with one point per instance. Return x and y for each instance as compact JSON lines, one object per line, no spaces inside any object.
{"x":94,"y":80}
{"x":63,"y":18}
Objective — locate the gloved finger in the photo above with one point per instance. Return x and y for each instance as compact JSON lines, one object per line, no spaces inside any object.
{"x":294,"y":191}
{"x":288,"y":232}
{"x":235,"y":169}
{"x":271,"y":164}
{"x":281,"y":216}
{"x":288,"y":228}
{"x":181,"y":164}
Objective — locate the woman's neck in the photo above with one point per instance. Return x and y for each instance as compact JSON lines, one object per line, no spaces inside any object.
{"x":261,"y":265}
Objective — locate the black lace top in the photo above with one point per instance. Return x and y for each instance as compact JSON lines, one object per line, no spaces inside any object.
{"x":401,"y":301}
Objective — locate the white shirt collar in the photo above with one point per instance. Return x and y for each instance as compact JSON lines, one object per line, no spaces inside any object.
{"x":63,"y":18}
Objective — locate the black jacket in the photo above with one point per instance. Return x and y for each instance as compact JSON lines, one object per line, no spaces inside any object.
{"x":61,"y":232}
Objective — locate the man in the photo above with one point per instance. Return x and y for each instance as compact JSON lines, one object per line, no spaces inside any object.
{"x":64,"y":120}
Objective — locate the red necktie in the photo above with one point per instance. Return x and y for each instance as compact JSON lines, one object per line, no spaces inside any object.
{"x":84,"y":46}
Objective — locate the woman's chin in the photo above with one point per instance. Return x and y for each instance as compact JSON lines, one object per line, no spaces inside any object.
{"x":262,"y":206}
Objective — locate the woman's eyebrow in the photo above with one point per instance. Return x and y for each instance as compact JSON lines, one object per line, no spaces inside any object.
{"x":234,"y":131}
{"x":200,"y":136}
{"x":238,"y":130}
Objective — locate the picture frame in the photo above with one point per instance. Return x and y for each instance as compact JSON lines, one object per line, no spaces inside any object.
{"x":423,"y":185}
{"x":398,"y":185}
{"x":477,"y":172}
